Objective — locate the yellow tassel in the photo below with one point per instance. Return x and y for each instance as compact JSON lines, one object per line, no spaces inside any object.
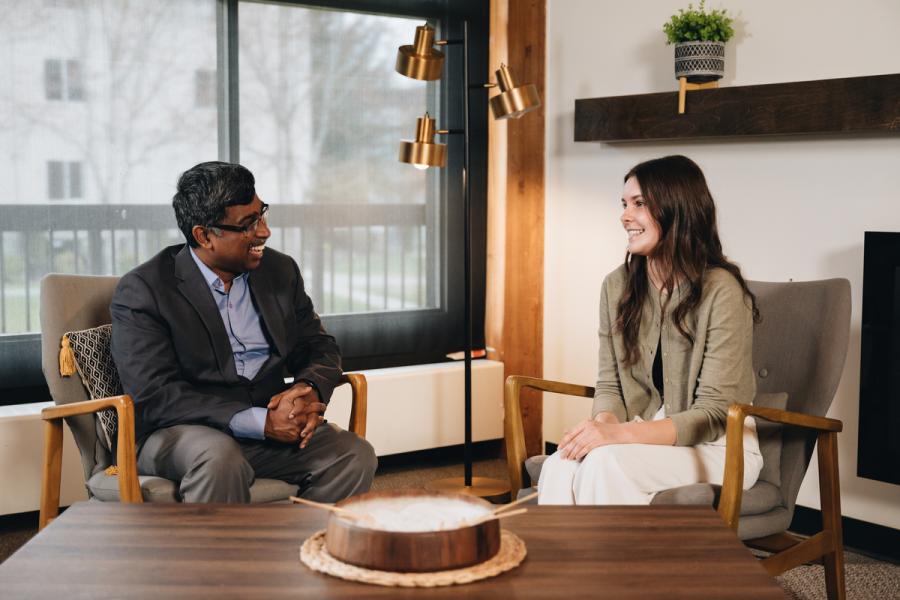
{"x":112,"y":471}
{"x":66,"y":358}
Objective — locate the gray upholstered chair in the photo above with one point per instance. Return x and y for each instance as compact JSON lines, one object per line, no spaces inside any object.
{"x":72,"y":303}
{"x":799,"y":350}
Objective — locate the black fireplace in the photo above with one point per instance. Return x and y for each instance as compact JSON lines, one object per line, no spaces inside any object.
{"x":879,"y":371}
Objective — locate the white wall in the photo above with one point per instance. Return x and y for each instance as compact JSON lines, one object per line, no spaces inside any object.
{"x":789,"y":207}
{"x":21,"y":454}
{"x":421,"y":407}
{"x":409,"y":409}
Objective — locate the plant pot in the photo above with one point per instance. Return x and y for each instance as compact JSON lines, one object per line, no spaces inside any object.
{"x":700,"y":62}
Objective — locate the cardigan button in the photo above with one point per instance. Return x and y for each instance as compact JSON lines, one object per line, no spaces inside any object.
{"x":763,"y":373}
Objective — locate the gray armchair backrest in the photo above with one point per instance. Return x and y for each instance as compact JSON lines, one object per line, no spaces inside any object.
{"x":799,"y":348}
{"x":72,"y":303}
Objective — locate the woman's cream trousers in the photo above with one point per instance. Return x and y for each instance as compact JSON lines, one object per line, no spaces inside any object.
{"x":634,"y":473}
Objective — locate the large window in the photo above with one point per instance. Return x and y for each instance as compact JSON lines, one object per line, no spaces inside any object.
{"x":303,"y":94}
{"x":320,"y":122}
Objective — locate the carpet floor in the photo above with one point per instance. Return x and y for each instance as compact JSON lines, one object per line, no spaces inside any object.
{"x":867,"y":578}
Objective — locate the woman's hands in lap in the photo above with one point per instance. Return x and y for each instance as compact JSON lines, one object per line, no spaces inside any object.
{"x":605,"y":429}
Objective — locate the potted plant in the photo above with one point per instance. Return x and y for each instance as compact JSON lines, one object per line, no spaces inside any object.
{"x":699,"y":37}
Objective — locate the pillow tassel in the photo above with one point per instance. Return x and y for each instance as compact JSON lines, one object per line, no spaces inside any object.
{"x":112,"y":470}
{"x":66,"y":358}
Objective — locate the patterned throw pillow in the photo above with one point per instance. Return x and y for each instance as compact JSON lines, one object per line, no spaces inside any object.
{"x":93,"y":360}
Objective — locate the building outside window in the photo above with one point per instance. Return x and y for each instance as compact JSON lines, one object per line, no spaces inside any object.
{"x":205,"y":88}
{"x":63,"y":180}
{"x":62,"y":80}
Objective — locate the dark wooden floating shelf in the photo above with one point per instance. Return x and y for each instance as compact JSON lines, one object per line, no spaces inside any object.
{"x":826,"y":106}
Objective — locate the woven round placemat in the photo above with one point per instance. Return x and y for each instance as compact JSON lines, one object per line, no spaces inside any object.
{"x":315,"y":556}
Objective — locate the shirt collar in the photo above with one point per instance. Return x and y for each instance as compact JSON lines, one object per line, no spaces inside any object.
{"x":212,"y":280}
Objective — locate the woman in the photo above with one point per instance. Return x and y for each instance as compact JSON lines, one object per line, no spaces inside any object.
{"x":676,"y":336}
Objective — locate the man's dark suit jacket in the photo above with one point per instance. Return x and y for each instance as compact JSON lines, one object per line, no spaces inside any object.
{"x":173,"y":353}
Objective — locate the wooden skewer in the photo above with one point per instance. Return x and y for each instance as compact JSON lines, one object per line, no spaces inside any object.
{"x":517,"y":502}
{"x":343,"y":512}
{"x":322,"y":505}
{"x":494,"y":515}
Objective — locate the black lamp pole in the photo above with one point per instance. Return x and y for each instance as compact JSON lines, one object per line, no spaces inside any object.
{"x":480,"y":486}
{"x":467,"y":266}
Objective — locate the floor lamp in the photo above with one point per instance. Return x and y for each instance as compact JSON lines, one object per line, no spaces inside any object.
{"x":422,"y":61}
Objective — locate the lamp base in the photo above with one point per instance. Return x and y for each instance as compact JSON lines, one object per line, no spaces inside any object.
{"x":493,"y":490}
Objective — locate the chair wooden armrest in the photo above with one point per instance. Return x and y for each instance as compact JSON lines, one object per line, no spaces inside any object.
{"x":798,"y":551}
{"x":514,"y":432}
{"x":129,"y":487}
{"x":359,"y":391}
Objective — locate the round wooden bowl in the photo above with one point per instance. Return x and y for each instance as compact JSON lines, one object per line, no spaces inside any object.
{"x":419,"y":551}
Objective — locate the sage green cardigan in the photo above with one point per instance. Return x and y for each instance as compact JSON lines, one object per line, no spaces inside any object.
{"x":701,"y":379}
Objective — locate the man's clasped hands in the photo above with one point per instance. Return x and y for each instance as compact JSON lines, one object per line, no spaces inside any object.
{"x":294,"y":415}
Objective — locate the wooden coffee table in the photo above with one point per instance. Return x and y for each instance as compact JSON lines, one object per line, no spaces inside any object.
{"x":111,"y":550}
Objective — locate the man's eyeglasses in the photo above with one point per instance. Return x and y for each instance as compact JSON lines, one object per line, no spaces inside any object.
{"x":251,"y":225}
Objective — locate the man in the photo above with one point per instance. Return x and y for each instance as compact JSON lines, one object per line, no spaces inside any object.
{"x":204,"y":335}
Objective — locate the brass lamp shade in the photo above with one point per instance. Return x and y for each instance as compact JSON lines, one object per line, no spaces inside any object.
{"x":421,"y":60}
{"x":513,"y":101}
{"x":423,"y":152}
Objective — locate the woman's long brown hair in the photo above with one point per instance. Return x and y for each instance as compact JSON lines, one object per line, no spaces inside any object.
{"x":678,"y":198}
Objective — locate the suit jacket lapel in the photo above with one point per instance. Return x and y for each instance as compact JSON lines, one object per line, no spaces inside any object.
{"x":193,"y":286}
{"x":273,"y":318}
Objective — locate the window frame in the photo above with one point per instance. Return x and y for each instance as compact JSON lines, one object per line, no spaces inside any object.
{"x":409,"y":337}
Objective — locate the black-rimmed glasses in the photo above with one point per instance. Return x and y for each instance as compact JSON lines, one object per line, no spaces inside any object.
{"x":250,"y":227}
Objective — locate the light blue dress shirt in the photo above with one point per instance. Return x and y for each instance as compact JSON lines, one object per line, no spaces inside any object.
{"x":248,"y":342}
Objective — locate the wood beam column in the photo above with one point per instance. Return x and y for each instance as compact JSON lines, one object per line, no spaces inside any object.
{"x":515,"y":292}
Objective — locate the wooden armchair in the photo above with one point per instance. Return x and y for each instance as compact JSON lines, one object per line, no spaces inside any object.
{"x":80,"y":302}
{"x":799,"y":348}
{"x":126,"y":459}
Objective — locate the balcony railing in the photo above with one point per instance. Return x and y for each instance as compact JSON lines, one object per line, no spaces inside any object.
{"x":354,"y":258}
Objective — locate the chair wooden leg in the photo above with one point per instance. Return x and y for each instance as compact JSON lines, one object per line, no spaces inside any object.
{"x":808,"y":550}
{"x":774,"y":543}
{"x":830,"y":494}
{"x":52,"y":471}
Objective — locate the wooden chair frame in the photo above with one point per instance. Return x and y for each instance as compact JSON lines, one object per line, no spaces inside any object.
{"x":126,"y":458}
{"x":788,"y":550}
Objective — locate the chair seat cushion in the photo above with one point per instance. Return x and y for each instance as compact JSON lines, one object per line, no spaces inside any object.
{"x":153,"y":489}
{"x":527,"y":492}
{"x":271,"y":490}
{"x":156,"y":489}
{"x":774,"y":521}
{"x":759,"y":499}
{"x":533,"y":467}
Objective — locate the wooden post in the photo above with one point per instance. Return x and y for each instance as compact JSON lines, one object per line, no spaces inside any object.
{"x":515,"y":320}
